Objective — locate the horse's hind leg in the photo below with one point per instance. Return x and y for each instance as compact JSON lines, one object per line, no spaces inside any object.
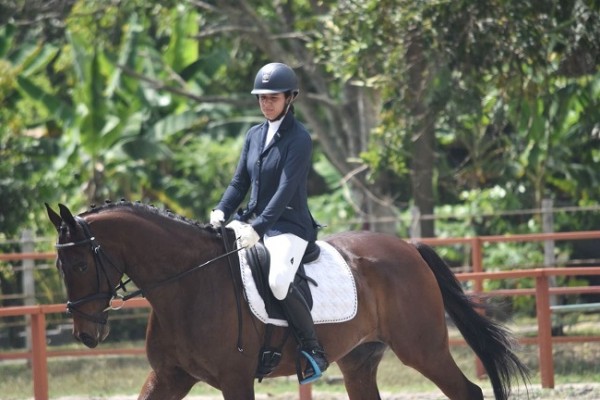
{"x":359,"y":368}
{"x":420,"y":341}
{"x":438,"y":366}
{"x":444,"y":372}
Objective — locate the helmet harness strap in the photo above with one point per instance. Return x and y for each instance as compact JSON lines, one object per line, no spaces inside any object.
{"x":288,"y":103}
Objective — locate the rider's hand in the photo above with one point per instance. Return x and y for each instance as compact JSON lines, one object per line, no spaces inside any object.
{"x":248,"y":236}
{"x":217,"y":218}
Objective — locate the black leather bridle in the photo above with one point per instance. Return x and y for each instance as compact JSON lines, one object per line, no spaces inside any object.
{"x":101,"y":273}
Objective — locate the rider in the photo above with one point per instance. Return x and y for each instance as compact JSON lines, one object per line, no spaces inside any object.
{"x":274,"y":166}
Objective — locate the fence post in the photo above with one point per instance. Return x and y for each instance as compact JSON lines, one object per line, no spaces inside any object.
{"x":477,"y":265}
{"x":305,"y":392}
{"x":415,"y":222}
{"x":28,"y":280}
{"x":39,"y":356}
{"x":549,"y":256}
{"x":542,"y":306}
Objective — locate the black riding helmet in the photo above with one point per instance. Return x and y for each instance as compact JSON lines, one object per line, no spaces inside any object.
{"x":275,"y":78}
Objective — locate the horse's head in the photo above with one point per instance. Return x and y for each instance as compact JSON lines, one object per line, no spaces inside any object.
{"x":90,"y":278}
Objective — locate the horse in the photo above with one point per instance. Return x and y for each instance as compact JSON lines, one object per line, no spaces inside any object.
{"x":404,"y":292}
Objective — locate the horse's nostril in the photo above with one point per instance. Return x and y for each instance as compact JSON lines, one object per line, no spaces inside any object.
{"x":88,"y":340}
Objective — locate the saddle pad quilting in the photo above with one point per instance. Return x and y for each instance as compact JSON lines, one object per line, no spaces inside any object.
{"x":334,"y":299}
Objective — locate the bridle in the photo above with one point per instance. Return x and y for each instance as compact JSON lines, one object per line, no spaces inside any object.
{"x":101,"y":259}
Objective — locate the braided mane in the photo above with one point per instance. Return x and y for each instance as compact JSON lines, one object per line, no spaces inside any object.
{"x":139,"y":207}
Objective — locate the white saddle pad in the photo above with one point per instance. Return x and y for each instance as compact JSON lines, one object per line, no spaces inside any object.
{"x":334,"y":300}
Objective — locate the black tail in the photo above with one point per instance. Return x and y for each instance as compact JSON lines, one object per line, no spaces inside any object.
{"x":492,"y":343}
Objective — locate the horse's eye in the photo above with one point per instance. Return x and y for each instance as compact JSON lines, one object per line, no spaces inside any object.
{"x":80,"y":266}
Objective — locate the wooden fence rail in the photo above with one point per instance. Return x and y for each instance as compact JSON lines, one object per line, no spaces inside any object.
{"x":39,"y":352}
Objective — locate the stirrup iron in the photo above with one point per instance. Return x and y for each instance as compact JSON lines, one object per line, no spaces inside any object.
{"x":317,"y":373}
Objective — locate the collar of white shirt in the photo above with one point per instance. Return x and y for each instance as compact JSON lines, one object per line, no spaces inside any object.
{"x":273,"y":128}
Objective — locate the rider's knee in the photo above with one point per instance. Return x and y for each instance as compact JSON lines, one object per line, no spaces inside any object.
{"x":279,"y":286}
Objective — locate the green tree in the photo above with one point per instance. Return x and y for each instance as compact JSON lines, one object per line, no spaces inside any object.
{"x":465,"y":84}
{"x":407,"y":100}
{"x":25,"y":149}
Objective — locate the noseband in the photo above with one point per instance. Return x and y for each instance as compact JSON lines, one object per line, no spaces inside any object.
{"x":99,"y":257}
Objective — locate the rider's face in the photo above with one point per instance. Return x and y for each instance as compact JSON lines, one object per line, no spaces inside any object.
{"x":271,"y":104}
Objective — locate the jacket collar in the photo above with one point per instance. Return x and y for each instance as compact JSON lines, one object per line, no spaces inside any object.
{"x":286,"y":125}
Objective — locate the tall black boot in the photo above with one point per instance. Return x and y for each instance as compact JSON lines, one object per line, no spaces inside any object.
{"x":301,"y":322}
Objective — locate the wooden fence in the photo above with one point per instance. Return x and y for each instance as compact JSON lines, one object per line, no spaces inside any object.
{"x":39,"y":353}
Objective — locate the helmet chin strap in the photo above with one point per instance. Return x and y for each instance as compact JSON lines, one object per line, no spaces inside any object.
{"x":285,"y":110}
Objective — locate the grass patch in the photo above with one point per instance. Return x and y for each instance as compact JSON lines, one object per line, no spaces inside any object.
{"x":103,"y":376}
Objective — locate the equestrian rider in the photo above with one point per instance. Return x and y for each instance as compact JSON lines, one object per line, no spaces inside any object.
{"x":274,"y":166}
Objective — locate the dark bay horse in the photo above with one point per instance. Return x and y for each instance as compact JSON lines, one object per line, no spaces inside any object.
{"x":192,"y":335}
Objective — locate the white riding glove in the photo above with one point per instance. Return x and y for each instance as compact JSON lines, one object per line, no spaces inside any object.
{"x":248,"y":236}
{"x":217,"y":218}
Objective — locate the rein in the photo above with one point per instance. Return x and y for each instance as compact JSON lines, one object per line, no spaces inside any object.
{"x":99,"y":255}
{"x":180,"y":275}
{"x":240,"y":346}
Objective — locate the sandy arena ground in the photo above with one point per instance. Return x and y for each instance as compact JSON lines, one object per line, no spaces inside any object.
{"x":579,"y":391}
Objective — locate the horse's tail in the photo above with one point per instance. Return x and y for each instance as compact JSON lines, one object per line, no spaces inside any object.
{"x":492,"y":343}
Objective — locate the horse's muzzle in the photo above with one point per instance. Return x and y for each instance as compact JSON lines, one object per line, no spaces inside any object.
{"x":92,"y":340}
{"x":87,"y":340}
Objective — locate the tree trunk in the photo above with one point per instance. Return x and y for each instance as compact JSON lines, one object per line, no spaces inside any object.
{"x":423,"y":134}
{"x":344,"y":132}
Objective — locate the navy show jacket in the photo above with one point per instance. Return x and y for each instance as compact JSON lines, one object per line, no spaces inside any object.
{"x":277,"y":179}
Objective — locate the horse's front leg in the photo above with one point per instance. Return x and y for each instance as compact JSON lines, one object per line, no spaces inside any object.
{"x":238,"y":390}
{"x":166,"y":386}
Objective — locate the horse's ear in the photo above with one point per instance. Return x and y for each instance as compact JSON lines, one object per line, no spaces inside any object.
{"x":54,"y":217}
{"x":66,"y":215}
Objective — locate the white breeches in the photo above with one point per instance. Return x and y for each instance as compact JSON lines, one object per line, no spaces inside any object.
{"x":286,"y":252}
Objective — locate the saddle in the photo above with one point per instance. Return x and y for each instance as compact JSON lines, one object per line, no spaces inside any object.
{"x":258,"y":259}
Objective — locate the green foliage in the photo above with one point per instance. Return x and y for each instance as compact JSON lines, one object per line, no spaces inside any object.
{"x":331,"y":209}
{"x":141,"y":101}
{"x":507,"y":256}
{"x":22,"y":179}
{"x":388,"y":153}
{"x":78,"y":126}
{"x":503,"y":109}
{"x":203,"y":171}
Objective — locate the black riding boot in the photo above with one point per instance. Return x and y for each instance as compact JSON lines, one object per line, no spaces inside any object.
{"x":301,"y":322}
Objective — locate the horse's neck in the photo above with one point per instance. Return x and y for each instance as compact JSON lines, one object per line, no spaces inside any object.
{"x":182,"y":269}
{"x":156,"y":255}
{"x":154,"y":249}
